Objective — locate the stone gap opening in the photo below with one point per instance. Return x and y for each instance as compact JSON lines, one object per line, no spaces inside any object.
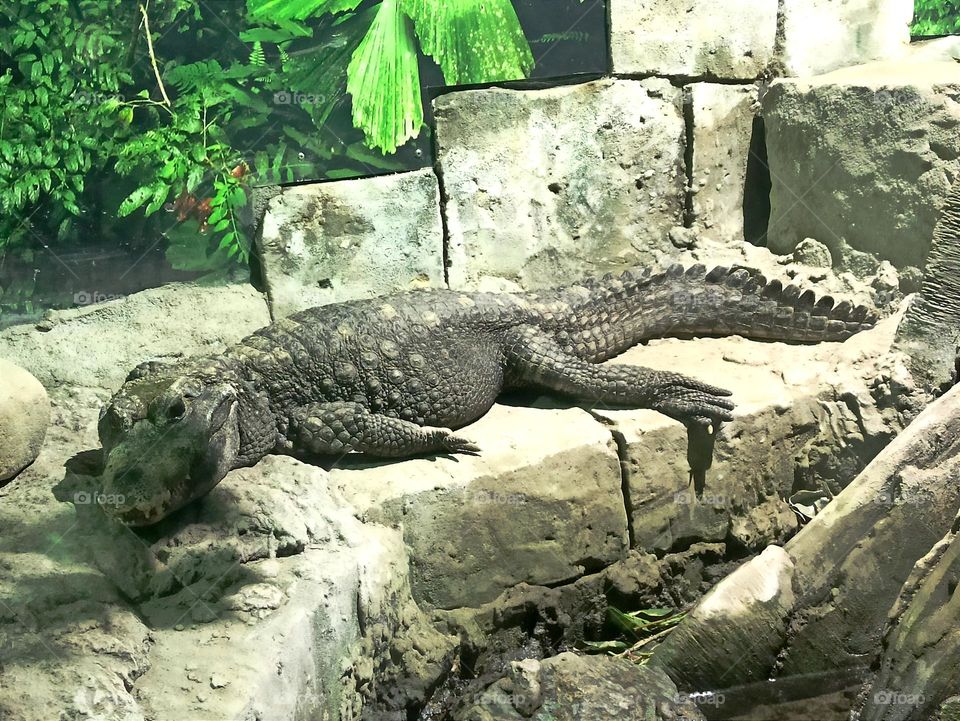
{"x":756,"y":187}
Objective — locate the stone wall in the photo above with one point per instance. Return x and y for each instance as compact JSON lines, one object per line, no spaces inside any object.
{"x":689,"y":138}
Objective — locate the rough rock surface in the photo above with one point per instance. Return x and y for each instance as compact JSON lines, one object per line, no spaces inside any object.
{"x":760,"y":593}
{"x":24,"y":416}
{"x":569,"y":687}
{"x":723,"y":127}
{"x":920,"y":665}
{"x":806,"y":416}
{"x":348,"y":239}
{"x":541,"y":184}
{"x":98,"y":345}
{"x":539,"y":512}
{"x":930,"y":331}
{"x":273,"y":570}
{"x":848,"y":566}
{"x":698,"y":38}
{"x":862,"y":158}
{"x":822,"y":35}
{"x":268,"y":599}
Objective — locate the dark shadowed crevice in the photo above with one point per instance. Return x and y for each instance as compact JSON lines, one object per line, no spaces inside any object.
{"x":438,"y":170}
{"x":624,"y":459}
{"x":756,"y":188}
{"x":688,"y":150}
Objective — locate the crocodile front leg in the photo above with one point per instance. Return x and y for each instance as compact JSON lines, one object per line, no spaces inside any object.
{"x":536,"y":359}
{"x":341,"y":427}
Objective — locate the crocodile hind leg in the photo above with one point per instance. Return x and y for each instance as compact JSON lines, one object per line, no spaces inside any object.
{"x":536,"y":359}
{"x":341,"y":427}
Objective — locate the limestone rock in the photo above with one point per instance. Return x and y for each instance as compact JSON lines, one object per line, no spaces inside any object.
{"x":700,"y":39}
{"x":543,"y":183}
{"x":862,"y":158}
{"x":98,"y":345}
{"x":330,"y":242}
{"x":759,"y":594}
{"x":537,"y":507}
{"x":848,"y":567}
{"x":812,"y":252}
{"x":804,"y":414}
{"x":822,"y":35}
{"x":920,"y":665}
{"x":723,"y":123}
{"x":24,"y":416}
{"x":569,"y":687}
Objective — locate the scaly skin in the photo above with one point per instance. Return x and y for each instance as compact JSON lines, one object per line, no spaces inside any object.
{"x":392,"y":376}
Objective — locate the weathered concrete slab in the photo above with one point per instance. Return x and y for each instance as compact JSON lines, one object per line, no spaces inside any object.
{"x":693,"y":39}
{"x":330,"y":242}
{"x":863,"y":158}
{"x":98,"y":345}
{"x":823,"y":35}
{"x":723,"y":118}
{"x":542,"y":184}
{"x":541,"y":504}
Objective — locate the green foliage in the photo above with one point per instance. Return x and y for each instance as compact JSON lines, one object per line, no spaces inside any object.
{"x":166,"y":134}
{"x":384,"y":80}
{"x":474,"y":41}
{"x":936,"y":17}
{"x":636,"y":630}
{"x":59,"y":116}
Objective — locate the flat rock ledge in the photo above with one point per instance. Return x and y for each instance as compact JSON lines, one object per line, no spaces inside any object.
{"x":291,"y":591}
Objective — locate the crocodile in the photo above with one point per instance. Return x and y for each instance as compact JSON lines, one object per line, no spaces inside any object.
{"x":398,"y":375}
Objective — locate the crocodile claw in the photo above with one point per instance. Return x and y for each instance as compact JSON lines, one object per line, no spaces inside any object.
{"x":458,"y":444}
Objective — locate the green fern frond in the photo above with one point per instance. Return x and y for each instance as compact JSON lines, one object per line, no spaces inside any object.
{"x":190,"y":77}
{"x":474,"y":41}
{"x":384,"y":80}
{"x":256,"y":55}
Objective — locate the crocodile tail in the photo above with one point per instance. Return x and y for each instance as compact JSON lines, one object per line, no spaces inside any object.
{"x":635,"y":306}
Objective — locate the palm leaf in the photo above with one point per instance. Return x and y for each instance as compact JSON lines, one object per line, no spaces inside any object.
{"x":474,"y":41}
{"x":297,"y":9}
{"x":321,"y":71}
{"x":384,"y":80}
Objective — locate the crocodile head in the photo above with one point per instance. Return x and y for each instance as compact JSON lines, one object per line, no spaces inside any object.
{"x":168,"y":438}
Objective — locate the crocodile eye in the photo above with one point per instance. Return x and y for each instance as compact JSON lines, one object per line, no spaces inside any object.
{"x":176,"y":410}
